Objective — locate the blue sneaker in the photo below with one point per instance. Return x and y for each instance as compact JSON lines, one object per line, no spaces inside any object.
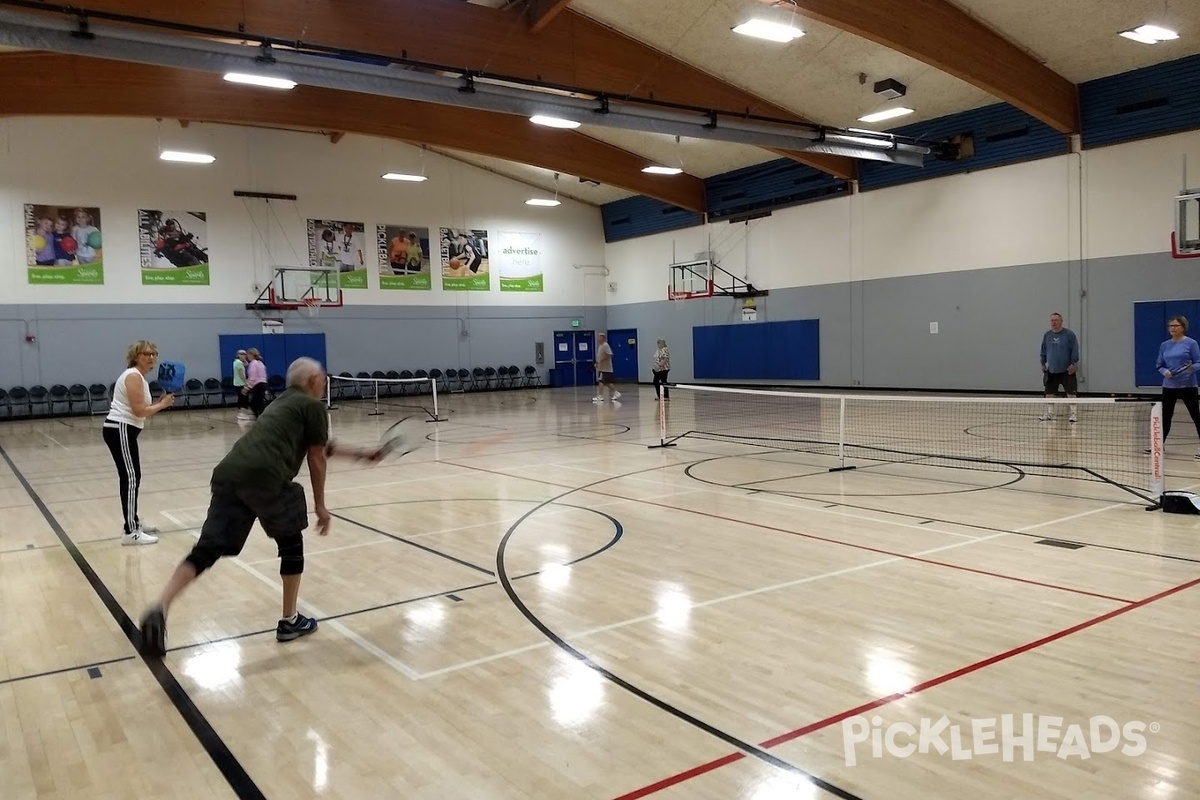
{"x":303,"y":626}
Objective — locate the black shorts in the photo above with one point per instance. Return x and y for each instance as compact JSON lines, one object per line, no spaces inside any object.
{"x":605,"y":377}
{"x":1068,"y":382}
{"x":233,"y":509}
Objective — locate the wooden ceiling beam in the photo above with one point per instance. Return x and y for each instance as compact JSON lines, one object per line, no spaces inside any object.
{"x":121,"y":89}
{"x":939,"y":33}
{"x":542,"y":13}
{"x":571,"y":49}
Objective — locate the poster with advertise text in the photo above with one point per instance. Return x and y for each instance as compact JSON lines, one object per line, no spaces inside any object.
{"x":465,"y":263}
{"x":174,"y":247}
{"x":518,"y":258}
{"x":340,"y":247}
{"x":403,"y":255}
{"x":63,"y":244}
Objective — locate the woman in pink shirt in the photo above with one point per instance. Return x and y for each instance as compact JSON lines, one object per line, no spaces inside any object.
{"x":256,"y":382}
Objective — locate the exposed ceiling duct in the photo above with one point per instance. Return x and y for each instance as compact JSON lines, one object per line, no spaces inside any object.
{"x":76,"y":33}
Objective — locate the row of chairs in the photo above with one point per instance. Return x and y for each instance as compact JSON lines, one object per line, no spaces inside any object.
{"x":78,"y":399}
{"x":453,"y":379}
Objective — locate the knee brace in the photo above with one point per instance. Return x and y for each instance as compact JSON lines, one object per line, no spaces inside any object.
{"x":291,"y":555}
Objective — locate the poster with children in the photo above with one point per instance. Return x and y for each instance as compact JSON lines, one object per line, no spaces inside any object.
{"x":403,"y":255}
{"x":173,"y":247}
{"x":63,"y":244}
{"x":341,"y":247}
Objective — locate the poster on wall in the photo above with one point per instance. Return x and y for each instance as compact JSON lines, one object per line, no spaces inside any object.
{"x":465,"y":263}
{"x":63,"y":244}
{"x":173,"y":247}
{"x":403,"y":252}
{"x":339,"y":246}
{"x":519,"y":261}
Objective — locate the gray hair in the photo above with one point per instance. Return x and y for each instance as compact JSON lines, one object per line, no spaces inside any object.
{"x":662,"y":342}
{"x":302,"y":370}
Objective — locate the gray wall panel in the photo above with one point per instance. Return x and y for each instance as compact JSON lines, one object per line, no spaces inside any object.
{"x":86,"y":344}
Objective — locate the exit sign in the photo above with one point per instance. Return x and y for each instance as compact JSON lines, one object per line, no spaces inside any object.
{"x":574,"y":323}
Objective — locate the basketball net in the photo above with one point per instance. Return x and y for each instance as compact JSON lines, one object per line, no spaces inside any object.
{"x":310,"y":307}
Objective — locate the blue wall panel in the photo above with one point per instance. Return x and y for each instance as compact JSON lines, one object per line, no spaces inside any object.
{"x":762,"y":187}
{"x":1150,"y":331}
{"x":1152,"y":101}
{"x":1001,"y":134}
{"x":758,"y":351}
{"x":641,"y":216}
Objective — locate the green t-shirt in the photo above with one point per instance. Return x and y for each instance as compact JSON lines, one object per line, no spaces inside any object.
{"x":239,"y":373}
{"x":271,"y":453}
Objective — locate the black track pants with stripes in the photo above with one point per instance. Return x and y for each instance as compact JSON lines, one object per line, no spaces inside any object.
{"x":122,"y":444}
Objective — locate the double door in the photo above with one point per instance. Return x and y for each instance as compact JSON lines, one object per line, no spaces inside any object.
{"x":575,"y":357}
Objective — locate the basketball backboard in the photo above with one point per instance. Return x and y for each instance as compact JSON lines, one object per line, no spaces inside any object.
{"x":1185,"y":239}
{"x":690,"y":280}
{"x":300,"y":287}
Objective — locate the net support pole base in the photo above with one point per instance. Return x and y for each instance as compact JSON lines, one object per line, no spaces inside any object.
{"x":841,"y":469}
{"x":659,"y":445}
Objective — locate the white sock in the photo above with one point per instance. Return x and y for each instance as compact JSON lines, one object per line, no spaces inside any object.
{"x":293,"y":618}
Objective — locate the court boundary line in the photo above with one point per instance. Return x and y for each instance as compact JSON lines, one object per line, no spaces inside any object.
{"x":879,"y":702}
{"x":227,"y":763}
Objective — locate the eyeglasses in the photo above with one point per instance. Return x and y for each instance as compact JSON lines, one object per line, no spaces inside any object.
{"x":149,"y":353}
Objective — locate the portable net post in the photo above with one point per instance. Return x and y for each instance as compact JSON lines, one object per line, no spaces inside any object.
{"x":662,"y":424}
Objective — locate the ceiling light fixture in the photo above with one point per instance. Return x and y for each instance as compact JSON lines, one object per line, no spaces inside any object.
{"x":888,"y":113}
{"x":771,"y":31}
{"x":554,"y":122}
{"x":260,"y":80}
{"x":657,"y":170}
{"x":541,"y":201}
{"x":1150,"y":34}
{"x":186,"y":158}
{"x":402,"y":176}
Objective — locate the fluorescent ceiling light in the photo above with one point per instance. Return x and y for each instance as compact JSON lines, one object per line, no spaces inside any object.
{"x":890,"y":113}
{"x":554,"y":122}
{"x":771,"y":31}
{"x":1150,"y":34}
{"x":401,"y":176}
{"x":260,"y":80}
{"x":537,"y":201}
{"x":662,"y":170}
{"x":186,"y":158}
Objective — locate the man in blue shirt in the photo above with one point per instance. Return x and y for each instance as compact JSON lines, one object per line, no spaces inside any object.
{"x":1060,"y":362}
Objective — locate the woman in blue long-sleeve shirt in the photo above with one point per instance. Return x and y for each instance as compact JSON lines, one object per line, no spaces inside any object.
{"x":1178,"y":360}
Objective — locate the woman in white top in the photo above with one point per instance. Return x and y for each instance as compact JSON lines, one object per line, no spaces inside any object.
{"x":131,"y":405}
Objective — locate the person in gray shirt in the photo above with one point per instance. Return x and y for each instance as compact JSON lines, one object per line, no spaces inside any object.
{"x":1060,"y":364}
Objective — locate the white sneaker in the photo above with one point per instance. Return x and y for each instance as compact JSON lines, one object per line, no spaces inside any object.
{"x":138,"y":538}
{"x":1045,"y":417}
{"x":597,"y":399}
{"x":616,"y":395}
{"x":1073,"y":418}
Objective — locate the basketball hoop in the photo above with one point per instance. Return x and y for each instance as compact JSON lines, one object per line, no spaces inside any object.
{"x":310,"y":306}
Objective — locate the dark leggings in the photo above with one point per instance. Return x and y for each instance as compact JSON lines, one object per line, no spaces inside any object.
{"x":660,"y":379}
{"x":258,"y":398}
{"x":1191,"y":401}
{"x":123,"y":445}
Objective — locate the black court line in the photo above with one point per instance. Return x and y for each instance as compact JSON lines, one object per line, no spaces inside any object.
{"x":746,"y":747}
{"x":417,"y":545}
{"x":235,"y":775}
{"x":63,"y":670}
{"x":958,"y":523}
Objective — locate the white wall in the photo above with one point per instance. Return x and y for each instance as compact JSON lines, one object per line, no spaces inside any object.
{"x":1101,"y":203}
{"x":113,"y":164}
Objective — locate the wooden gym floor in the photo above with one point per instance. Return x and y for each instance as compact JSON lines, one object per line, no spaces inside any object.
{"x":538,"y":606}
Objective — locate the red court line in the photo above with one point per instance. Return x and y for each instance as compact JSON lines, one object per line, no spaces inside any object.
{"x":681,"y":777}
{"x":870,"y":549}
